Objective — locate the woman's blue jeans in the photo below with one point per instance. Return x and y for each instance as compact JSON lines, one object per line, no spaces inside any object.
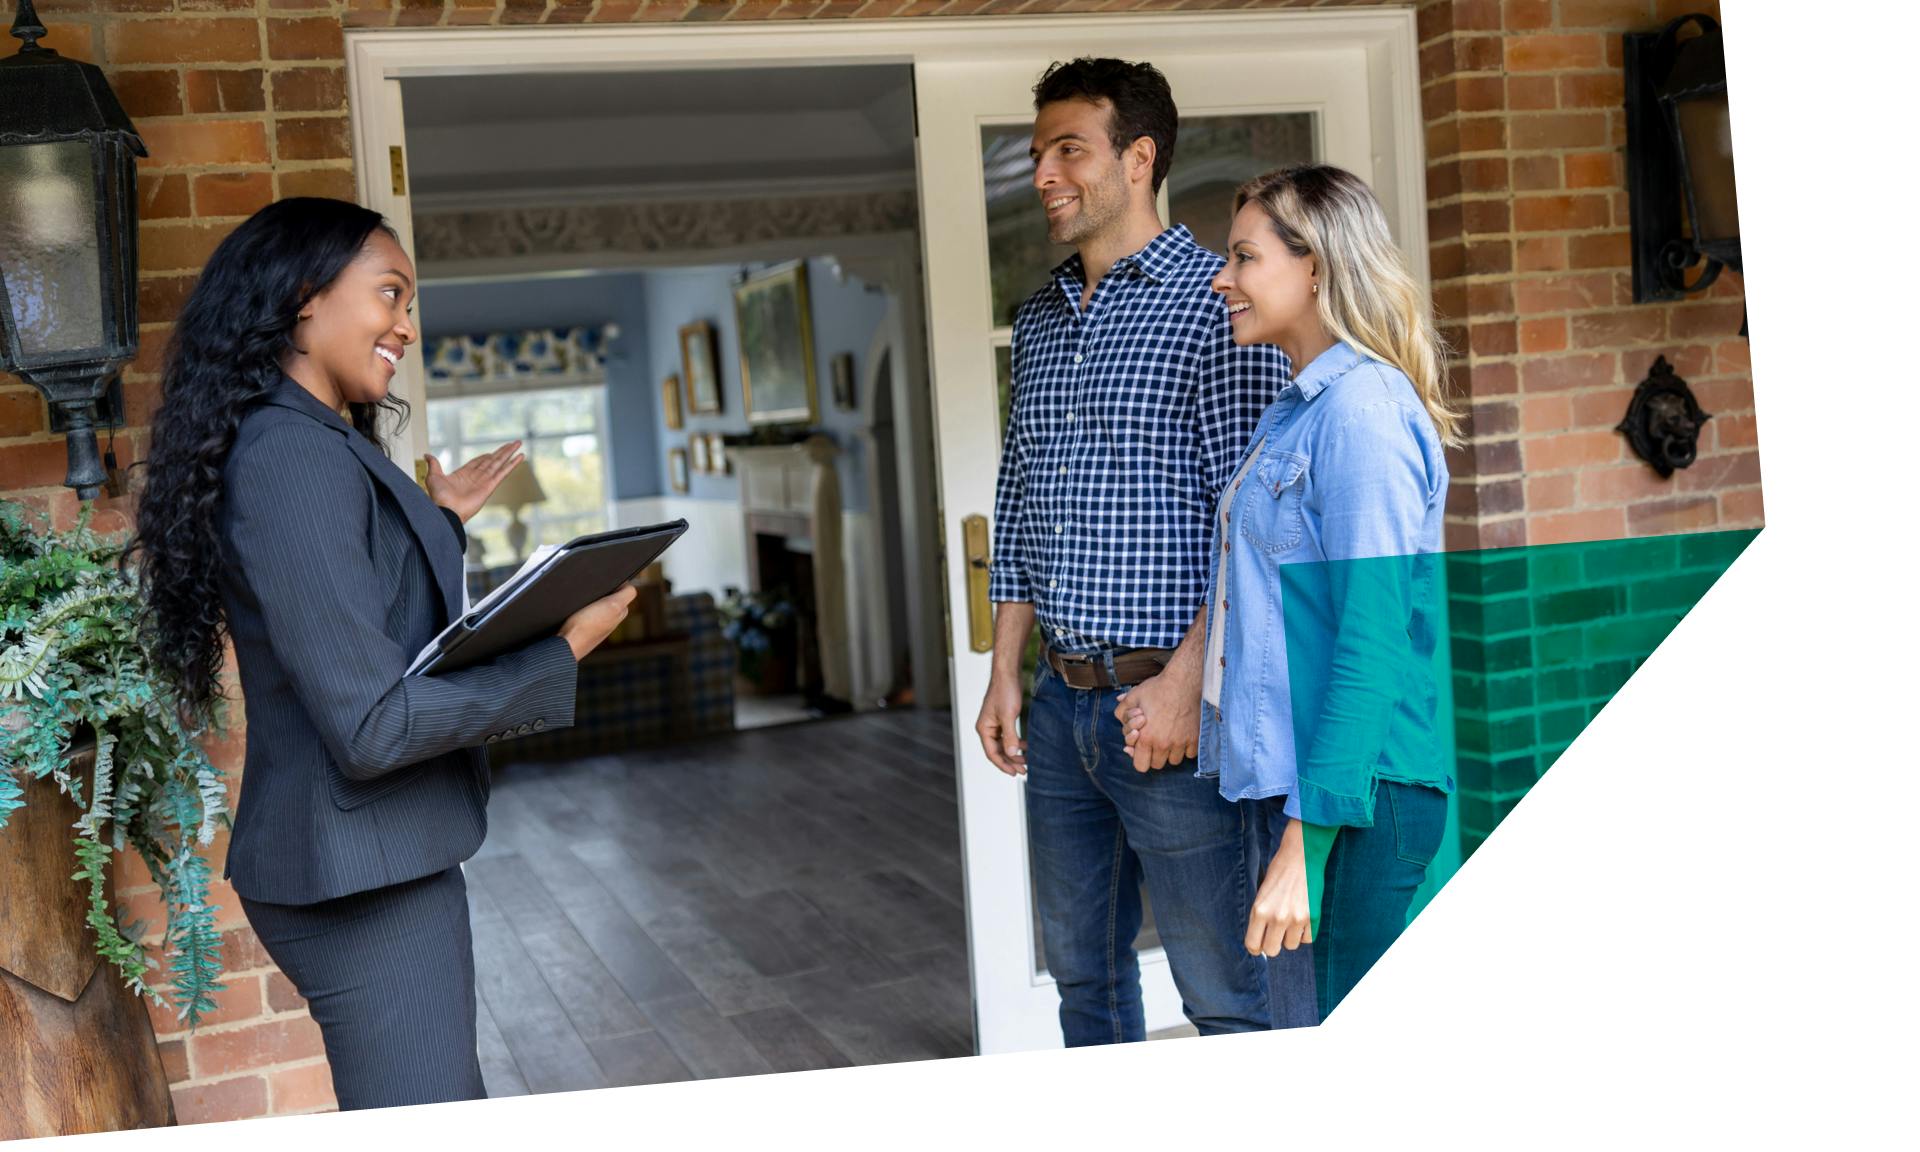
{"x":1371,"y":877}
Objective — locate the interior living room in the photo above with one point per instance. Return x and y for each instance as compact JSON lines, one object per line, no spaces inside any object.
{"x":696,"y":295}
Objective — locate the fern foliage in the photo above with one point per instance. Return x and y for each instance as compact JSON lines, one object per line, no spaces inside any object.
{"x":73,"y":669}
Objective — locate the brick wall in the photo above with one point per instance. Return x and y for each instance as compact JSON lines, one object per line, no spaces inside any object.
{"x":1543,"y":636}
{"x":241,"y":101}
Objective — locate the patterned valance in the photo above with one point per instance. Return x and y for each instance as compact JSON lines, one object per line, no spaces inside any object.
{"x":531,"y":358}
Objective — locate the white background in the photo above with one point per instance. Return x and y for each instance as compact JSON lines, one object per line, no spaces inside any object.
{"x":1694,"y":930}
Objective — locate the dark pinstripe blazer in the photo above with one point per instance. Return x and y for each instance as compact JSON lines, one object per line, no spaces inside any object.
{"x":338,"y":570}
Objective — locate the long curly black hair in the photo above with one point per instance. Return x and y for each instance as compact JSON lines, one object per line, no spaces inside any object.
{"x":225,"y":357}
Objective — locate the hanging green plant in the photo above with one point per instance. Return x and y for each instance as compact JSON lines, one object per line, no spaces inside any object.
{"x":74,"y":673}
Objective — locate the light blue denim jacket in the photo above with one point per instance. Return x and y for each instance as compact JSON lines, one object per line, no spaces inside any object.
{"x":1330,"y":561}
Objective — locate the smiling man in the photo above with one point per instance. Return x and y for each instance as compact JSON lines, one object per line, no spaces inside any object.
{"x":1131,"y":407}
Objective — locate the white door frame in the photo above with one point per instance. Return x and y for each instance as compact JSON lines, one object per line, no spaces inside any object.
{"x":378,"y":58}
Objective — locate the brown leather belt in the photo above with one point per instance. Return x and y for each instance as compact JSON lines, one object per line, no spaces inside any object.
{"x":1129,"y":667}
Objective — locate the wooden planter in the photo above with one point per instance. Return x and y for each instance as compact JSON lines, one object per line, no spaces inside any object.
{"x":77,"y":1052}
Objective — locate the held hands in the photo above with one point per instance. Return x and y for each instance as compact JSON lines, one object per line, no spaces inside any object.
{"x":586,"y":629}
{"x":1161,"y":716}
{"x":1282,"y":916}
{"x":467,"y":487}
{"x":999,"y":726}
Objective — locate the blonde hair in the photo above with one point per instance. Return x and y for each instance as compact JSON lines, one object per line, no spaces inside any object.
{"x":1367,"y":297}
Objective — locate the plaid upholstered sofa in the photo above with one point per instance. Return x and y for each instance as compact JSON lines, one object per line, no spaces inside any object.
{"x":664,"y":676}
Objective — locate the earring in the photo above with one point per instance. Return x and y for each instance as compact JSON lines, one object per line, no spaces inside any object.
{"x":1316,"y":289}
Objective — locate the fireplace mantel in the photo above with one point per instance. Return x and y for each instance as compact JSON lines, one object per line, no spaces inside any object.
{"x":793,"y":492}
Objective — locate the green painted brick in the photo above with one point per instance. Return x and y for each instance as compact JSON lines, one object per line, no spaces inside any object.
{"x":1553,"y":567}
{"x":1506,"y":614}
{"x":1477,"y":817}
{"x":1560,"y":646}
{"x":1604,"y":679}
{"x":1505,"y":693}
{"x":1561,"y":725}
{"x":1508,"y":654}
{"x":1626,"y":559}
{"x":1579,"y":606}
{"x":1560,"y":685}
{"x":1714,"y":549}
{"x":1474,"y":774}
{"x":1469,"y":654}
{"x":1470,"y":735}
{"x":1487,"y":573}
{"x":1515,"y":772}
{"x":1511,"y":734}
{"x":1629,"y":636}
{"x":1466,"y":615}
{"x":1544,"y":758}
{"x":1676,"y":591}
{"x":1469,"y":692}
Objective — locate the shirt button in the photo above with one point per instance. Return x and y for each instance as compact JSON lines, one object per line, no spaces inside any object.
{"x":1059,"y":528}
{"x":1063,"y":469}
{"x":1223,"y":661}
{"x":1053,"y":583}
{"x":1077,"y":357}
{"x":1226,"y":545}
{"x":1069,"y":417}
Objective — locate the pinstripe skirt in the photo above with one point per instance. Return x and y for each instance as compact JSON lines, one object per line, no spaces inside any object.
{"x":388,"y":976}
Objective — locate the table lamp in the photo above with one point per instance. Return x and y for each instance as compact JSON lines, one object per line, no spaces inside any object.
{"x":520,"y":488}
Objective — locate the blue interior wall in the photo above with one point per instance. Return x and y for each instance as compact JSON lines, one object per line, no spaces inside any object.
{"x":649,"y":307}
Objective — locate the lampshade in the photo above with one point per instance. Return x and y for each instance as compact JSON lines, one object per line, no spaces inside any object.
{"x":519,"y":489}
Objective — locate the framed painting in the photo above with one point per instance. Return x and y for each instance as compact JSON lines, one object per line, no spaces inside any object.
{"x":697,"y":450}
{"x":670,"y":403}
{"x":776,"y":346}
{"x":677,"y":469}
{"x":700,"y":364}
{"x":717,"y":454}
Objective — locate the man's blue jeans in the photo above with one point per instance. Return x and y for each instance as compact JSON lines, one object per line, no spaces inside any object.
{"x":1370,"y":879}
{"x":1098,"y":829}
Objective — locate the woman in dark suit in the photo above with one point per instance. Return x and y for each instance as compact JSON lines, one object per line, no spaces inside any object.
{"x":270,"y":516}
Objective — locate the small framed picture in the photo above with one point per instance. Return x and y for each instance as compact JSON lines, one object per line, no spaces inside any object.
{"x":677,"y":469}
{"x":700,"y":363}
{"x":843,"y":381}
{"x":697,"y":446}
{"x":670,"y":403}
{"x":717,"y":454}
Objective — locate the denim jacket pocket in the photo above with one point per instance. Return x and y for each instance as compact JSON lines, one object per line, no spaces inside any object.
{"x":1279,"y":526}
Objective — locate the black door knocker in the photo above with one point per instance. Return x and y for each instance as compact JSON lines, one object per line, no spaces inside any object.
{"x":1663,"y":421}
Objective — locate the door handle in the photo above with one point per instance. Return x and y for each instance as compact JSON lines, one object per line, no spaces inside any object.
{"x":973,"y":531}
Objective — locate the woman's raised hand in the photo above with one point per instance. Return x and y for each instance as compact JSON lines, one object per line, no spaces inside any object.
{"x":466,"y":488}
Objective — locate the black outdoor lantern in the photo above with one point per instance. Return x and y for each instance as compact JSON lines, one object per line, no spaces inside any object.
{"x":1679,"y":155}
{"x":68,"y":276}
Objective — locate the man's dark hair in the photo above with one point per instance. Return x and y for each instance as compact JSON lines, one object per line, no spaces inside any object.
{"x":1142,"y":102}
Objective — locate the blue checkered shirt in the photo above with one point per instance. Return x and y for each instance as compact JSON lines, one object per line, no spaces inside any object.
{"x":1128,"y":420}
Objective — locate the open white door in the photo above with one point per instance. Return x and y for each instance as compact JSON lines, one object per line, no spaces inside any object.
{"x":383,"y":187}
{"x":1248,"y":103}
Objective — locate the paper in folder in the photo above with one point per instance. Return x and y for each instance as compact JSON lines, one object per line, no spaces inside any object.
{"x":552,"y":585}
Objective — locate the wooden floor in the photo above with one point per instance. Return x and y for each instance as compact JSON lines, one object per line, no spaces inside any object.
{"x":774,"y":900}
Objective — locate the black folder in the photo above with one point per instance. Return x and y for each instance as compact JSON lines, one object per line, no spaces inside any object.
{"x":533,"y":604}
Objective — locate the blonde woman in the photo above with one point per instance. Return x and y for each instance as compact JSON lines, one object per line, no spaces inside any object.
{"x":1319,"y":696}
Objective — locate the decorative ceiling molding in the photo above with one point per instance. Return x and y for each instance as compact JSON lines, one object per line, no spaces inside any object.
{"x":653,"y":226}
{"x":472,"y":195}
